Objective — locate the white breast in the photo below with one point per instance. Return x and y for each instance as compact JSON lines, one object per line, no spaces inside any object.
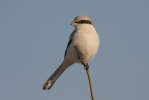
{"x":87,"y":43}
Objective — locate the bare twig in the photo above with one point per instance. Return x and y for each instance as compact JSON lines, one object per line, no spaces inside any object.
{"x":86,"y":67}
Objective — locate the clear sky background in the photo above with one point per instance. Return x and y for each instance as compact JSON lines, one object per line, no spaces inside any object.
{"x":34,"y":35}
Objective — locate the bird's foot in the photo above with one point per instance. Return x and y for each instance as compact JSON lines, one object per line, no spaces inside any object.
{"x":86,"y":66}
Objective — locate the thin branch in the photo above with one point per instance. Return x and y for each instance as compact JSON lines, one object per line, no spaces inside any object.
{"x":90,"y":82}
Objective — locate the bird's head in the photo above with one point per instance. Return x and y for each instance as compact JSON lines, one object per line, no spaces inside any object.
{"x":82,"y":22}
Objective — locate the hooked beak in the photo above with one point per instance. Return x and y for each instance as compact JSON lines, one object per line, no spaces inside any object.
{"x":72,"y":23}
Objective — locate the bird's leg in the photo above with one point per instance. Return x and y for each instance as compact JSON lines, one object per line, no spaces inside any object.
{"x":86,"y":67}
{"x":80,"y":56}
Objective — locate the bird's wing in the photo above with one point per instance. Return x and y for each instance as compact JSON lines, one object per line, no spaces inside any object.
{"x":70,"y":41}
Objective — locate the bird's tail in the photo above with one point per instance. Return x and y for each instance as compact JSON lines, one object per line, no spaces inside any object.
{"x":52,"y":79}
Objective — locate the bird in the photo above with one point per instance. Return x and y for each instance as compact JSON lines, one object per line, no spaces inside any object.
{"x":85,"y":38}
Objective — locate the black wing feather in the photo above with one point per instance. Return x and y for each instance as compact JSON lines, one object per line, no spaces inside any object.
{"x":68,"y":46}
{"x":70,"y":41}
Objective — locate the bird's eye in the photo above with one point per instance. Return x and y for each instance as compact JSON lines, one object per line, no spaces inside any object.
{"x":84,"y":22}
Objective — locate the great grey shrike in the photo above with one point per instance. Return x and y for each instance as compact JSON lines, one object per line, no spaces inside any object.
{"x":85,"y":39}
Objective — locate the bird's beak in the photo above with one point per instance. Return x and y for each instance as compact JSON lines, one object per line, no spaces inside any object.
{"x":72,"y":23}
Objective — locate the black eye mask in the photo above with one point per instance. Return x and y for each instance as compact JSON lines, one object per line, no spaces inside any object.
{"x":84,"y":22}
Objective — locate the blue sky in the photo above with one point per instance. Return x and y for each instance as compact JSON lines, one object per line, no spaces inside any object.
{"x":34,"y":35}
